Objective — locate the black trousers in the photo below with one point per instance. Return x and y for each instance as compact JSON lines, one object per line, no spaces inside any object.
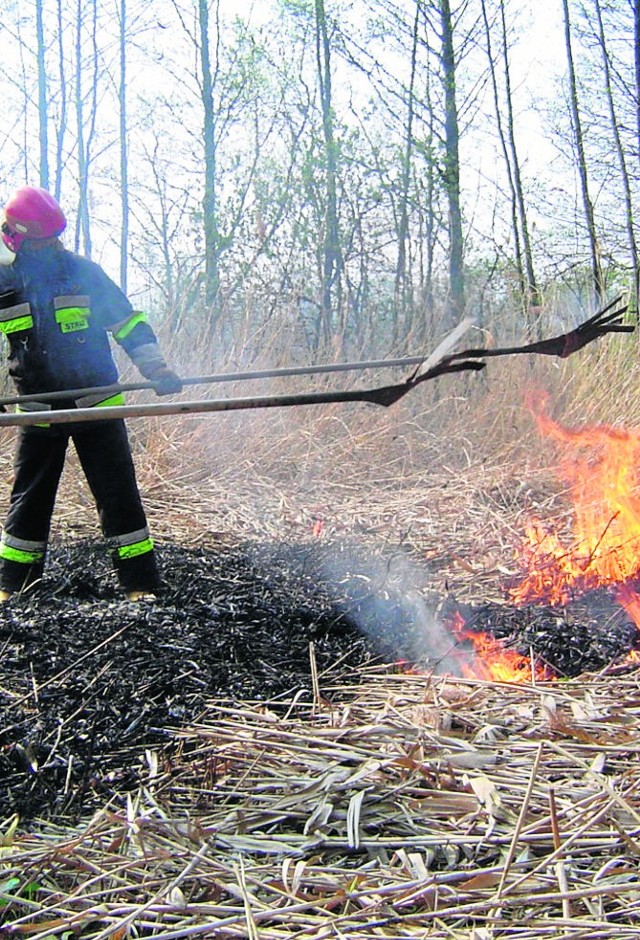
{"x":105,"y":456}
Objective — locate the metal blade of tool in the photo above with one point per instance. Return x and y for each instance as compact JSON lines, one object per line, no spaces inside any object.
{"x":444,"y":348}
{"x":607,"y":320}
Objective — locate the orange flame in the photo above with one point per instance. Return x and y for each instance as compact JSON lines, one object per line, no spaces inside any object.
{"x":601,"y":466}
{"x":492,"y":661}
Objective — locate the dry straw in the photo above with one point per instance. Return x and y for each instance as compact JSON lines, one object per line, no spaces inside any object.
{"x":405,"y":806}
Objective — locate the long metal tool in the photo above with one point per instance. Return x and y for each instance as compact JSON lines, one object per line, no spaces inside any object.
{"x":108,"y":390}
{"x":385,"y":396}
{"x":436,"y":364}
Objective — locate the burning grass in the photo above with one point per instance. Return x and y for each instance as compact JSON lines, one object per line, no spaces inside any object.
{"x":304,"y":790}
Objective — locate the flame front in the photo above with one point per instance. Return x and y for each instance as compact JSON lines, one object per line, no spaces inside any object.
{"x":600,"y":465}
{"x":598,"y":546}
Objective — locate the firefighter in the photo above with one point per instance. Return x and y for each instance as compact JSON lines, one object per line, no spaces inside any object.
{"x":57,"y":311}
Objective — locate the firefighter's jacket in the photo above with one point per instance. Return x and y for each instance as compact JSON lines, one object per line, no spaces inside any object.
{"x":56,"y":311}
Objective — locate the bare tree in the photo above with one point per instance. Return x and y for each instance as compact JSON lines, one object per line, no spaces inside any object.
{"x":62,"y":94}
{"x":619,"y":150}
{"x":506,"y":132}
{"x":332,"y":261}
{"x":210,"y":200}
{"x":86,"y":107}
{"x":451,"y":165}
{"x":161,"y":209}
{"x":429,"y":224}
{"x":635,"y":5}
{"x":43,"y":98}
{"x":578,"y":142}
{"x":403,"y":299}
{"x":124,"y":147}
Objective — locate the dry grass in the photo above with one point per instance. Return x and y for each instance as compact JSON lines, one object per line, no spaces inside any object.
{"x":400,"y":806}
{"x":409,"y":806}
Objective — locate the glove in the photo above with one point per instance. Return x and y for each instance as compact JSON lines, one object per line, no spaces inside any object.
{"x":166,"y":382}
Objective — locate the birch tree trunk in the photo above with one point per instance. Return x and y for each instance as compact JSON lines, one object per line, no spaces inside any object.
{"x":210,"y":201}
{"x":86,"y":113}
{"x":506,"y":154}
{"x":531,"y":294}
{"x":62,"y":117}
{"x":402,"y":291}
{"x":124,"y":144}
{"x":620,"y":151}
{"x":636,"y":36}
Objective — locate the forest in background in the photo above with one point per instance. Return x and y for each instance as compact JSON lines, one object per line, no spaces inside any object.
{"x":309,"y":179}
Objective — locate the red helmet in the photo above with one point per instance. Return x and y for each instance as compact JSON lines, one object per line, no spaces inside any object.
{"x":31,"y":213}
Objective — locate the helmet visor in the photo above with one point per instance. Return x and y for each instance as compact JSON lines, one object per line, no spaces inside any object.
{"x":11,"y":237}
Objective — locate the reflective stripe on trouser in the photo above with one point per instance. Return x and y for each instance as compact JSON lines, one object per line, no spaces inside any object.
{"x":28,"y":407}
{"x":105,"y":457}
{"x":21,"y":562}
{"x":21,"y":550}
{"x":133,"y":543}
{"x":100,"y":401}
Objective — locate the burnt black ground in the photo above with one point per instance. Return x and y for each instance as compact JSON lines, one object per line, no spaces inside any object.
{"x":88,"y":681}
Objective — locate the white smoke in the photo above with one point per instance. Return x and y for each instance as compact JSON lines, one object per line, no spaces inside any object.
{"x":385,"y":594}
